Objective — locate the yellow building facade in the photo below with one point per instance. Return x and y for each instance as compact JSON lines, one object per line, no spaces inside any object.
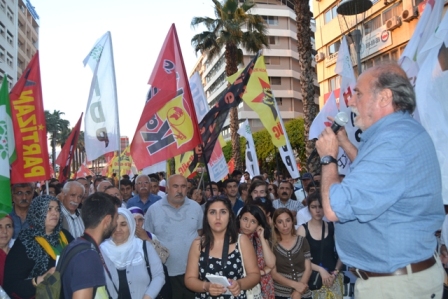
{"x":386,"y":29}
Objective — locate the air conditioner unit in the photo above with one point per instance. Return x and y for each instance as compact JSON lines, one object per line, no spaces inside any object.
{"x":319,"y":56}
{"x":393,"y":23}
{"x":409,"y":13}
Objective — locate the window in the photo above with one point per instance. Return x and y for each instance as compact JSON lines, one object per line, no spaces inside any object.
{"x":276,"y":81}
{"x":272,"y":40}
{"x":2,"y":29}
{"x":270,"y":20}
{"x":275,"y":60}
{"x":10,"y":15}
{"x":2,"y":53}
{"x":334,"y":48}
{"x":333,"y":83}
{"x":373,"y":24}
{"x":395,"y":10}
{"x":279,"y":101}
{"x":331,"y":14}
{"x":9,"y":37}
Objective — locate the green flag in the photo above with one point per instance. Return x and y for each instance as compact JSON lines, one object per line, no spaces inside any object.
{"x":7,"y":150}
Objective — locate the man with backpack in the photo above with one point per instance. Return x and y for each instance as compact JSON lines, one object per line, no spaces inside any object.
{"x":83,"y":274}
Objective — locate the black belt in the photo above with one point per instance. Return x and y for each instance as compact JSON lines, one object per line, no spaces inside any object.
{"x":416,"y":267}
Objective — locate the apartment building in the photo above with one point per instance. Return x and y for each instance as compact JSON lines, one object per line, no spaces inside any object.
{"x":19,"y":36}
{"x":282,"y":63}
{"x":386,"y":29}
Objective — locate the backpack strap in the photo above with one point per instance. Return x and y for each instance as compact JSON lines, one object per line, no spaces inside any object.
{"x":147,"y":261}
{"x":67,"y":255}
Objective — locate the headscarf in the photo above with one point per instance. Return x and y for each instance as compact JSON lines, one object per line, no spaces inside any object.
{"x":130,"y":252}
{"x":138,"y":213}
{"x":37,"y":213}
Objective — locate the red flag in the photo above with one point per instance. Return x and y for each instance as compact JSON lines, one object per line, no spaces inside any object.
{"x":168,"y":125}
{"x":83,"y":171}
{"x":30,"y":131}
{"x":66,"y":155}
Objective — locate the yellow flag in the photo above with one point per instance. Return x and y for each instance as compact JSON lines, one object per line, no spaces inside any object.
{"x":259,"y":97}
{"x":178,"y":119}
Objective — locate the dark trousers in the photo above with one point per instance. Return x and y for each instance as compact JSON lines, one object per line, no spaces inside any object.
{"x":180,"y":291}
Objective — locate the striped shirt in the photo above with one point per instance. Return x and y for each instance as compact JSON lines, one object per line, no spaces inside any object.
{"x":72,"y":222}
{"x":292,"y":205}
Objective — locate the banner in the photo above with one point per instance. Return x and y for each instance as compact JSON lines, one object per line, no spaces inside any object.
{"x":260,"y":98}
{"x":30,"y":129}
{"x":155,"y":168}
{"x":102,"y":129}
{"x":319,"y":124}
{"x":122,"y":163}
{"x":431,"y":91}
{"x":212,"y":123}
{"x":168,"y":124}
{"x":251,"y":153}
{"x":187,"y":163}
{"x":65,"y":157}
{"x":7,"y":150}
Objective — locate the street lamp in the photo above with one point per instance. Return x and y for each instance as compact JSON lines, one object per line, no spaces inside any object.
{"x":350,"y":8}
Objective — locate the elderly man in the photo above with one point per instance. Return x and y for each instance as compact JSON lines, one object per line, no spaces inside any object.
{"x":72,"y":195}
{"x":178,"y":221}
{"x":22,"y":195}
{"x":144,"y":199}
{"x":103,"y":185}
{"x":387,"y":209}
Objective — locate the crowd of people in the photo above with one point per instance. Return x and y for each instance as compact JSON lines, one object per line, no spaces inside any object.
{"x":248,"y":237}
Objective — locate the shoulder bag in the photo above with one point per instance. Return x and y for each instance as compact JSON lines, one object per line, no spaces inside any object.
{"x":255,"y":292}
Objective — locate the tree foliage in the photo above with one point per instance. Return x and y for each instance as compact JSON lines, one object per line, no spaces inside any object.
{"x":267,"y":153}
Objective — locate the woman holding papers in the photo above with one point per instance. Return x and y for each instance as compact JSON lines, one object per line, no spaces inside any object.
{"x":222,"y":253}
{"x":35,"y":251}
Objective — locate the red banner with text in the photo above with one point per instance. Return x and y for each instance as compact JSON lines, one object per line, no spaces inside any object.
{"x":30,"y":132}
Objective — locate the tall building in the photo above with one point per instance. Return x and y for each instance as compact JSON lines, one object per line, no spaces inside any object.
{"x":19,"y":36}
{"x":386,"y":29}
{"x":282,"y":63}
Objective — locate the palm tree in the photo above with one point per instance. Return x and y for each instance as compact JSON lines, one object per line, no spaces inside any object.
{"x":305,"y":48}
{"x":59,"y":130}
{"x":226,"y":31}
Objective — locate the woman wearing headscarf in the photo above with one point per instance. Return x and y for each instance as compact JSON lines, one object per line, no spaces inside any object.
{"x":34,"y":253}
{"x":6,"y":232}
{"x":125,"y":253}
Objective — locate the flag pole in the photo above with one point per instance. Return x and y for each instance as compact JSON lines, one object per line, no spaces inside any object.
{"x":117,"y":117}
{"x":206,"y":167}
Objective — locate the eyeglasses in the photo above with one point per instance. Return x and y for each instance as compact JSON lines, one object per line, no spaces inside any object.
{"x":20,"y":193}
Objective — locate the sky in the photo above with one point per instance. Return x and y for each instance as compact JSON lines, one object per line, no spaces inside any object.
{"x":69,"y":29}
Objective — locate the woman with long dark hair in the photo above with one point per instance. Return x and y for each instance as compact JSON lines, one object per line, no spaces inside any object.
{"x":221,"y":251}
{"x":252,"y":222}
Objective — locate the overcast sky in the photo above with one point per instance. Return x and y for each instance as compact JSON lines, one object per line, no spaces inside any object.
{"x":69,"y":29}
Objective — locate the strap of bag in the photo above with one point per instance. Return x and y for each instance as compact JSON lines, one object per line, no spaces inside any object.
{"x":241,"y":254}
{"x":92,"y":241}
{"x":322,"y":243}
{"x":225,"y":251}
{"x":147,"y":261}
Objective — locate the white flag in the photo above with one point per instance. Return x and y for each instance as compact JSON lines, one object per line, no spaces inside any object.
{"x":411,"y":59}
{"x":251,"y":154}
{"x":319,"y":124}
{"x":158,"y":167}
{"x":344,"y":68}
{"x":101,"y":132}
{"x":431,"y":90}
{"x":217,"y":165}
{"x":288,"y":157}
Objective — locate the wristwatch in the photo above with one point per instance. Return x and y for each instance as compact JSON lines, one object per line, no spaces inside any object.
{"x":325,"y":160}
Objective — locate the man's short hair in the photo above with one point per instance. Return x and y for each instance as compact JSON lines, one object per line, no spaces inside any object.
{"x":154,"y":176}
{"x":125,"y":182}
{"x":23,"y":185}
{"x":98,"y":179}
{"x":391,"y":76}
{"x":153,"y":180}
{"x":125,"y":176}
{"x":68,"y":185}
{"x":96,"y":207}
{"x":258,"y":177}
{"x":236,"y":173}
{"x":226,"y":182}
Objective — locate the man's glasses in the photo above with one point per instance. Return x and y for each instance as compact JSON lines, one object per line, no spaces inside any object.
{"x":27,"y":193}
